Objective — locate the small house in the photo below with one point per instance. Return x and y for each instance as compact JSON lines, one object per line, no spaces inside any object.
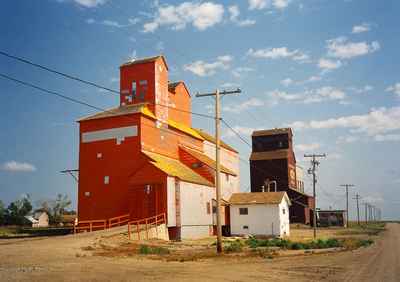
{"x":260,"y":213}
{"x":38,"y":219}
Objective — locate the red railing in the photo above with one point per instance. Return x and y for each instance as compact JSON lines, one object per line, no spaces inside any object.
{"x":100,"y":224}
{"x":137,"y":226}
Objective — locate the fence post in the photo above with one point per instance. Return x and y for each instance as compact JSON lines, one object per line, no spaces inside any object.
{"x":138,"y":231}
{"x":147,"y":231}
{"x":156,"y":227}
{"x":129,"y":231}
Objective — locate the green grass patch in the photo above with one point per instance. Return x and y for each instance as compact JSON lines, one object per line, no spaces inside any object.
{"x":152,"y":250}
{"x":287,"y":244}
{"x":234,"y":246}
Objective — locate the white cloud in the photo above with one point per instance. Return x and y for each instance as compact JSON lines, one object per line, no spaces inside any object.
{"x":322,"y":94}
{"x":242,"y":130}
{"x":313,"y":78}
{"x":328,"y":65}
{"x":202,"y":68}
{"x":364,"y":89}
{"x":278,"y":53}
{"x":262,"y":4}
{"x":394,"y":88}
{"x":347,"y":139}
{"x":114,"y":24}
{"x":230,"y":85}
{"x":343,"y":49}
{"x":239,"y":71}
{"x":364,"y":27}
{"x":238,"y":108}
{"x":257,"y":4}
{"x":88,"y":3}
{"x":234,"y":13}
{"x":387,"y":137}
{"x":377,"y":121}
{"x":14,"y":166}
{"x":307,"y":147}
{"x":287,"y":82}
{"x":199,"y":15}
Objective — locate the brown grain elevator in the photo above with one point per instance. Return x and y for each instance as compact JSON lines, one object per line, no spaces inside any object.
{"x":273,"y":161}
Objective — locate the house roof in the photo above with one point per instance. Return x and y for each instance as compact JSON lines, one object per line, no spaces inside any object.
{"x":269,"y":155}
{"x":211,"y":139}
{"x":184,"y":128}
{"x":145,"y":60}
{"x":173,"y":167}
{"x":272,"y":198}
{"x":31,"y":219}
{"x":207,"y":160}
{"x":274,"y":131}
{"x":172,"y":86}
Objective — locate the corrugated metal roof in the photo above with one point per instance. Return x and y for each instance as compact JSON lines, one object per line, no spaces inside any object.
{"x":269,"y":155}
{"x":211,"y":139}
{"x":175,"y":168}
{"x":145,"y":60}
{"x":207,"y":160}
{"x":258,"y":198}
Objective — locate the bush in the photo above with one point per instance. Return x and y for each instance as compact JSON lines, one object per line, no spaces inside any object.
{"x":234,"y":247}
{"x":150,"y":250}
{"x":365,"y":242}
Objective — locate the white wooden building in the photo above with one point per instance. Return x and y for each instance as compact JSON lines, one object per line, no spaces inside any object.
{"x":38,"y":219}
{"x":260,"y":213}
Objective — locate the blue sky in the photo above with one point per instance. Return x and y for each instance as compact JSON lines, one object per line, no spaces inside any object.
{"x":328,"y":69}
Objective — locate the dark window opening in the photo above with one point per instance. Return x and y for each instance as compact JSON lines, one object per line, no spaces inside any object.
{"x":243,"y":211}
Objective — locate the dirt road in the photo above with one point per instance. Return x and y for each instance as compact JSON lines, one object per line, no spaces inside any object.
{"x":55,"y":259}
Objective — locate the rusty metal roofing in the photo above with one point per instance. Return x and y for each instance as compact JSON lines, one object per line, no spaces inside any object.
{"x":173,"y":167}
{"x":207,"y":160}
{"x":273,"y":198}
{"x":211,"y":139}
{"x":273,"y":131}
{"x":269,"y":155}
{"x":145,"y":60}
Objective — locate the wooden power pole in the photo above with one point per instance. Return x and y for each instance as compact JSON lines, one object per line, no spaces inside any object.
{"x":312,"y":170}
{"x":217,"y":95}
{"x":347,"y":201}
{"x":357,"y":198}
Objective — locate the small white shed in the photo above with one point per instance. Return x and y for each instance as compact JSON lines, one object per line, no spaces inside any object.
{"x":39,"y":219}
{"x":260,"y":213}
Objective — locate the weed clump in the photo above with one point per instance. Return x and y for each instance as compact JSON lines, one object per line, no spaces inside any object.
{"x":234,"y":247}
{"x":151,"y":250}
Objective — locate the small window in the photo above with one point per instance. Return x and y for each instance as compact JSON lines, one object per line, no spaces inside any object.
{"x":208,"y":208}
{"x":133,"y":89}
{"x":141,"y":95}
{"x":283,"y":211}
{"x":245,"y":227}
{"x":214,"y":209}
{"x":143,"y":82}
{"x":243,"y":211}
{"x":227,"y":177}
{"x":106,"y":180}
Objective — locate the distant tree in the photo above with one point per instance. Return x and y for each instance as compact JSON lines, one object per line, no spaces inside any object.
{"x":55,"y":208}
{"x":17,"y":210}
{"x":2,"y":213}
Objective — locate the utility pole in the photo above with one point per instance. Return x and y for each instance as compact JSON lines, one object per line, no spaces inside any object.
{"x":217,"y":95}
{"x":314,"y":164}
{"x":366,"y":213}
{"x":357,"y":197}
{"x":347,"y":201}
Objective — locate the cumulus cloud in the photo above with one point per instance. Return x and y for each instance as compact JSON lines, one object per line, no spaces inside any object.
{"x":199,"y":15}
{"x":394,"y":88}
{"x":239,"y":71}
{"x":86,"y":3}
{"x":361,"y":90}
{"x":377,"y":121}
{"x":112,"y":23}
{"x":347,"y":139}
{"x":262,"y":4}
{"x":307,"y":147}
{"x":318,"y":95}
{"x":364,"y":27}
{"x":327,"y":65}
{"x":202,"y":68}
{"x":278,"y":53}
{"x":14,"y":166}
{"x":343,"y":49}
{"x":238,"y":108}
{"x":234,"y":17}
{"x":287,"y":82}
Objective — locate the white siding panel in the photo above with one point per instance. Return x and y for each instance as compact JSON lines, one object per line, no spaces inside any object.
{"x":114,"y":133}
{"x":171,"y":210}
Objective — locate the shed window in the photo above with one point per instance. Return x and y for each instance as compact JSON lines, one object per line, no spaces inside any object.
{"x":243,"y":211}
{"x":208,"y":208}
{"x":245,"y":227}
{"x":283,"y":211}
{"x":106,"y":180}
{"x":133,"y":89}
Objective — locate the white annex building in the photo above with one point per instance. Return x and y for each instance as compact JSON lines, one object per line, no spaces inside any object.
{"x":38,"y":219}
{"x":260,"y":213}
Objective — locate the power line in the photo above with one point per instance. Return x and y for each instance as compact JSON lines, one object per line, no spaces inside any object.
{"x":72,"y":77}
{"x":347,"y":200}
